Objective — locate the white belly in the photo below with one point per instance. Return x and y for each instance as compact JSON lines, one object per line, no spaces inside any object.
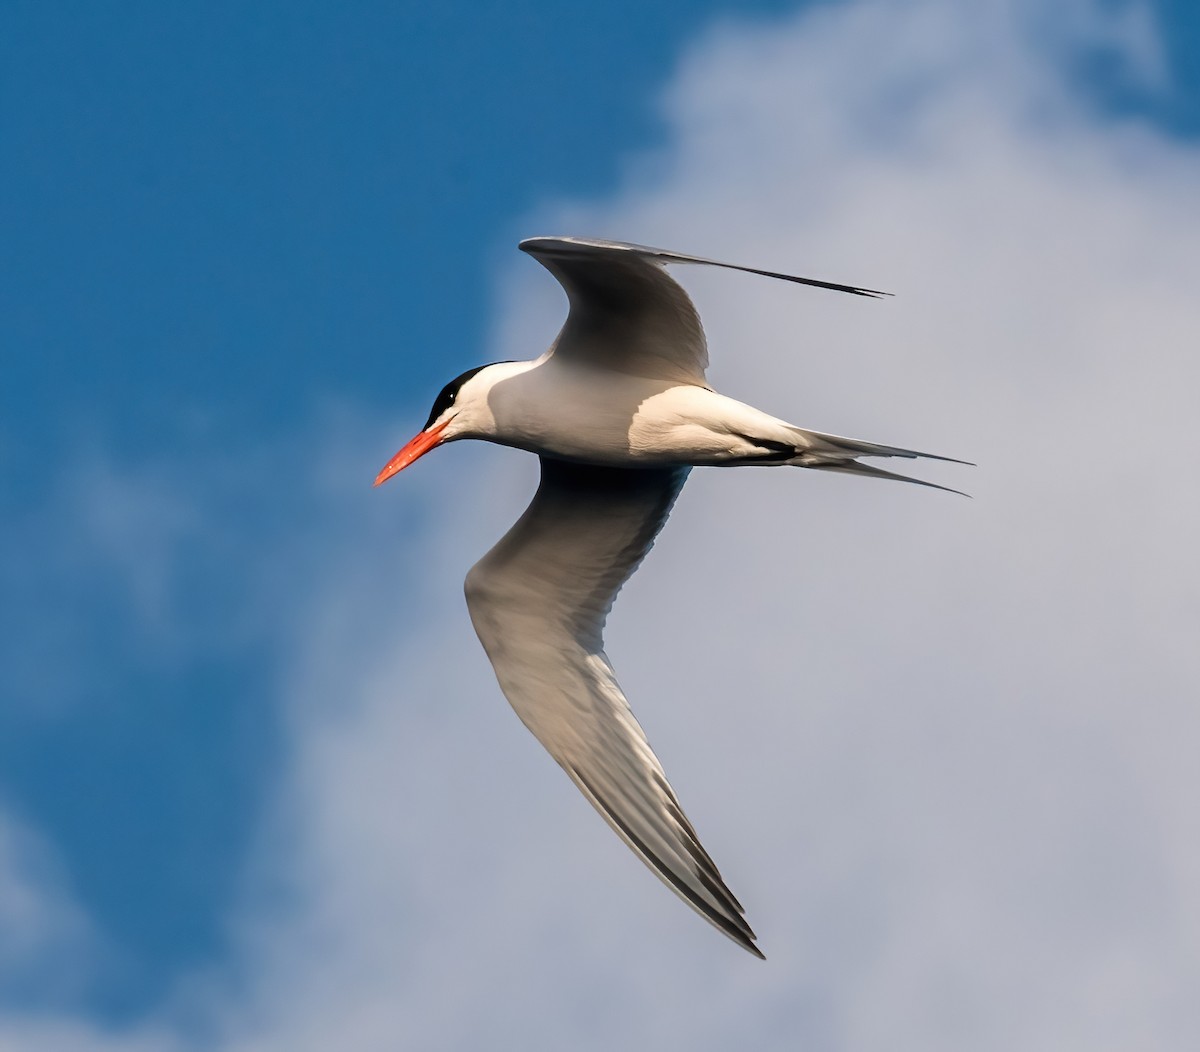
{"x":605,"y":417}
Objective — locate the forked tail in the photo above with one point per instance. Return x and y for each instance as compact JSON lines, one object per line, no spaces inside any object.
{"x":833,"y":453}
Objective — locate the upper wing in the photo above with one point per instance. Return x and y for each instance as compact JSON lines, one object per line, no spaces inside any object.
{"x":627,"y":314}
{"x":539,"y":600}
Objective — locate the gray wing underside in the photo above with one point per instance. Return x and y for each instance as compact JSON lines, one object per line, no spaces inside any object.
{"x":628,"y":314}
{"x":539,"y":600}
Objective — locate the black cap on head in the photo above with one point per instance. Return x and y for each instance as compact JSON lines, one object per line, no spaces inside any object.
{"x":448,"y":394}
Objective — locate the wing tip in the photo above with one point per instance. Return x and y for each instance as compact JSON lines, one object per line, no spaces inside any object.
{"x":724,"y":913}
{"x":746,"y":939}
{"x":545,"y":245}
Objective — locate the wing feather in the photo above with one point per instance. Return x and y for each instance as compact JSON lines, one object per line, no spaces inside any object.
{"x":627,"y":314}
{"x":539,"y":600}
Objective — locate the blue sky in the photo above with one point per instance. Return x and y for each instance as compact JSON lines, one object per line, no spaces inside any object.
{"x":217,"y":223}
{"x":243,"y":251}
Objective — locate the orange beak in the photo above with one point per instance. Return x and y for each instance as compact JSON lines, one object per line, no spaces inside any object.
{"x":415,"y":449}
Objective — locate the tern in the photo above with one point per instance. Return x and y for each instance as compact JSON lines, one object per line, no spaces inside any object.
{"x":619,"y":411}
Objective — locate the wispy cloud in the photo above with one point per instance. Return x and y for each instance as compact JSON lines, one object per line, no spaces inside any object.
{"x":44,"y":936}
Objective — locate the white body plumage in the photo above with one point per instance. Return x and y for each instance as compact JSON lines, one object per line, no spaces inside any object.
{"x":557,"y":408}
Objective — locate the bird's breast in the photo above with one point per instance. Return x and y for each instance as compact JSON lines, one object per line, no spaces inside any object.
{"x":580,"y":414}
{"x":604,"y":417}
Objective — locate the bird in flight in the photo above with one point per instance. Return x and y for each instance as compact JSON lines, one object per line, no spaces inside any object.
{"x":619,"y":411}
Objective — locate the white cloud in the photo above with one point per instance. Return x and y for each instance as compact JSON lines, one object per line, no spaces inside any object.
{"x":943,"y":750}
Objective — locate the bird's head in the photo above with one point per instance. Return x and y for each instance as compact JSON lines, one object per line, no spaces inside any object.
{"x":459,"y":411}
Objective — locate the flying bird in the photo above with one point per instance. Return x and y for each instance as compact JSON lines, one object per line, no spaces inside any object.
{"x":619,"y":411}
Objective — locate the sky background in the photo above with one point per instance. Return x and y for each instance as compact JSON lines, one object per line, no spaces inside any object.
{"x":258,"y":789}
